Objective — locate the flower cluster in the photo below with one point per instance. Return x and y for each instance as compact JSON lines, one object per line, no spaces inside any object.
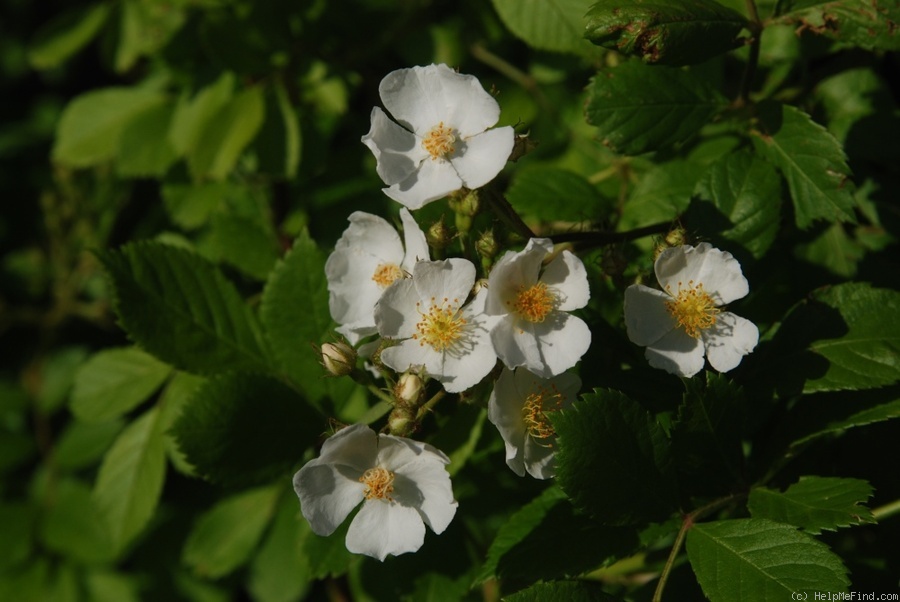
{"x":420,"y":320}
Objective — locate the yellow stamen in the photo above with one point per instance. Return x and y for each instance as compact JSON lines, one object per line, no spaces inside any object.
{"x":386,"y":273}
{"x":693,"y":308}
{"x":379,"y":484}
{"x":534,"y":412}
{"x":441,"y":326}
{"x":439,"y":141}
{"x":535,"y":302}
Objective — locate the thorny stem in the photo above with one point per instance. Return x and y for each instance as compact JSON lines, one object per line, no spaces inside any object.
{"x":686,"y":524}
{"x":756,"y":29}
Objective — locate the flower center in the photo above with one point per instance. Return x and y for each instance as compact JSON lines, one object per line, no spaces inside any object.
{"x":535,"y":302}
{"x":534,"y":412}
{"x":386,"y":273}
{"x":693,"y":308}
{"x":441,"y":326}
{"x":379,"y":484}
{"x":439,"y":141}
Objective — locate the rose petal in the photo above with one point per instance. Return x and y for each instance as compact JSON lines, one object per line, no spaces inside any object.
{"x":434,"y":180}
{"x":397,"y":151}
{"x":480,"y":158}
{"x":718,"y":272}
{"x":729,"y":340}
{"x":381,"y":528}
{"x":567,"y":276}
{"x":647,"y":318}
{"x":677,"y":353}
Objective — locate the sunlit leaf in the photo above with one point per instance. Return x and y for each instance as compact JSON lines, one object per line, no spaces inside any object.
{"x":667,"y":32}
{"x":738,"y":200}
{"x":546,"y":24}
{"x":66,"y":34}
{"x":839,"y":339}
{"x":131,"y":477}
{"x":280,"y":571}
{"x":760,"y":560}
{"x":181,"y":308}
{"x":245,"y":429}
{"x":869,"y":24}
{"x":223,"y":538}
{"x":811,"y":160}
{"x":114,"y":381}
{"x":637,"y":108}
{"x":225,"y":135}
{"x":814,"y":503}
{"x":91,"y":125}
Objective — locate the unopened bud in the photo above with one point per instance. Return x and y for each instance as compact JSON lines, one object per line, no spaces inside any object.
{"x":408,"y":390}
{"x":439,"y":236}
{"x":486,"y":245}
{"x":676,"y":237}
{"x":466,"y":203}
{"x":402,"y":421}
{"x":339,"y":359}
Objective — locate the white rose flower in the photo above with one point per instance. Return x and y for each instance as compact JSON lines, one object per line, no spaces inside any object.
{"x":366,"y":260}
{"x":535,"y":329}
{"x":685,"y":321}
{"x":519,"y":408}
{"x":401,"y":483}
{"x":437,"y":330}
{"x":442,"y":142}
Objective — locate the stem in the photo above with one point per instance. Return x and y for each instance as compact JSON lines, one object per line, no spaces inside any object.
{"x":502,"y":209}
{"x":886,"y":511}
{"x":686,"y":524}
{"x":511,"y":72}
{"x":600,"y":238}
{"x":426,"y":407}
{"x":756,"y":29}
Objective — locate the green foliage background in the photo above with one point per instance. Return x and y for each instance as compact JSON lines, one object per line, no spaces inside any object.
{"x":175,"y":172}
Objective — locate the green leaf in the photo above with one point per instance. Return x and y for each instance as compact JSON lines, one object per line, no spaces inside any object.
{"x":280,"y":571}
{"x":820,"y":418}
{"x":562,"y":591}
{"x":295,"y":315}
{"x":181,"y":388}
{"x":706,"y":438}
{"x":180,"y":308}
{"x":811,"y":160}
{"x":131,"y":477}
{"x":665,"y":32}
{"x":737,"y":200}
{"x":815,"y":503}
{"x":868,"y":24}
{"x":614,"y":460}
{"x":245,"y":429}
{"x":144,"y":147}
{"x":546,"y":24}
{"x":145,"y":28}
{"x":327,"y":556}
{"x":278,"y":145}
{"x":190,"y":206}
{"x":533,"y":185}
{"x":760,"y":560}
{"x":18,"y":521}
{"x":518,"y":553}
{"x":637,"y":108}
{"x":832,"y":250}
{"x":246,"y":245}
{"x":458,"y":436}
{"x":106,"y":586}
{"x":225,"y":135}
{"x":82,"y":444}
{"x":224,"y":537}
{"x":839,"y":339}
{"x":114,"y":381}
{"x":661,"y":194}
{"x":193,"y":115}
{"x":65,"y":35}
{"x":91,"y":125}
{"x":74,"y":525}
